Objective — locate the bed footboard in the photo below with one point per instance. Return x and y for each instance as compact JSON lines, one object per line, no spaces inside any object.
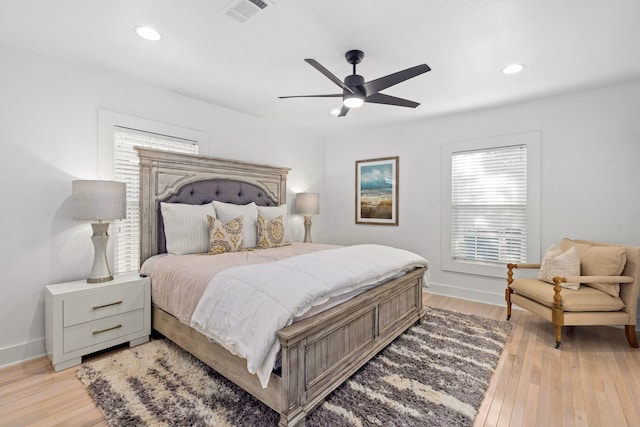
{"x":318,"y":353}
{"x":323,"y":351}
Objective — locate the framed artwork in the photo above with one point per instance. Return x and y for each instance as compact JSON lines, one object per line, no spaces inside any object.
{"x":377,"y":191}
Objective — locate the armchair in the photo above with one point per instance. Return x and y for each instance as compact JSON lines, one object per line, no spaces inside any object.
{"x":595,"y":302}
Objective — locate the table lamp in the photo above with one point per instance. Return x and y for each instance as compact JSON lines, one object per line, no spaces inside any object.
{"x":97,"y":201}
{"x":307,"y":204}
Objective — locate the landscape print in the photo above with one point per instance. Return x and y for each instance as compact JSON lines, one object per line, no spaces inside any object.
{"x":377,"y":191}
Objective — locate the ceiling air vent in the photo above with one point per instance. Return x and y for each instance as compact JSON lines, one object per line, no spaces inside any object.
{"x":242,"y":10}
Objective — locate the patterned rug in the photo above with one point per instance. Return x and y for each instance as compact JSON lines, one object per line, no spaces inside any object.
{"x":435,"y":374}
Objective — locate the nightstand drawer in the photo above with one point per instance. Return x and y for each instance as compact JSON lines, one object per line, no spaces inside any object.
{"x":100,"y":305}
{"x":90,"y":333}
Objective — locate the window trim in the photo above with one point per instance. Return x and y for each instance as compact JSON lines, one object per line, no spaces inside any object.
{"x":109,"y":120}
{"x":532,"y":141}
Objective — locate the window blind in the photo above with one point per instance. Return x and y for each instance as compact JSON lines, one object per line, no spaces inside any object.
{"x":489,"y":205}
{"x":126,"y":232}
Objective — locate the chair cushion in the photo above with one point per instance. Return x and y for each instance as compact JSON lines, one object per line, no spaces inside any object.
{"x":559,"y":263}
{"x":599,"y":261}
{"x":584,"y":299}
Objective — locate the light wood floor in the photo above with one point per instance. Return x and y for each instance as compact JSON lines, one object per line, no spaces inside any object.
{"x":593,"y":380}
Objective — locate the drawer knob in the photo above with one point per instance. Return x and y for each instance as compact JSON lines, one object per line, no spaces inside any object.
{"x":95,"y":307}
{"x":107,"y":330}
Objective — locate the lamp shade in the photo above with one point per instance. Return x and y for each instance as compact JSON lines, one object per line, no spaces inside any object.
{"x":98,"y":200}
{"x":307,"y":203}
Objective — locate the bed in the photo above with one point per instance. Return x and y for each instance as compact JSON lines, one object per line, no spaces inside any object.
{"x":318,"y":353}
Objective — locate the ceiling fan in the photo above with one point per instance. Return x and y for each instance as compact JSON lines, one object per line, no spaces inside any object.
{"x":355,"y":91}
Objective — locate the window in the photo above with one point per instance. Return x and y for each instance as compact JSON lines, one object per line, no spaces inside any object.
{"x":489,"y":204}
{"x":117,"y":135}
{"x":126,"y":235}
{"x":492,"y":207}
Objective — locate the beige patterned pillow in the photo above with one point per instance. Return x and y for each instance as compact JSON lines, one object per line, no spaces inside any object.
{"x":225,"y":237}
{"x":558,"y":263}
{"x":270,"y":233}
{"x":271,"y":212}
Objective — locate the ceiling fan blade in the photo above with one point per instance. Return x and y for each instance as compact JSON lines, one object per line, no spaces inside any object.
{"x":375,"y":86}
{"x":381,"y":98}
{"x":315,"y":64}
{"x":333,"y":95}
{"x":343,"y":111}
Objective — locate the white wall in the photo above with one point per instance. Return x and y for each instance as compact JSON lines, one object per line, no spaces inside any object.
{"x":590,"y":166}
{"x":48,"y":137}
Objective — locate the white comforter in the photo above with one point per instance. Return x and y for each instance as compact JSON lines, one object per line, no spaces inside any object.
{"x":243,"y":307}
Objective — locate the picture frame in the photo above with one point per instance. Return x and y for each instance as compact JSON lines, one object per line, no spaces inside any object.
{"x":377,"y":191}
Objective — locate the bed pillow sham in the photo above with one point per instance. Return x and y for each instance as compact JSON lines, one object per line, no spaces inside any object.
{"x":270,"y":233}
{"x":224,"y":237}
{"x":226,"y":212}
{"x":186,"y":227}
{"x":272,"y":212}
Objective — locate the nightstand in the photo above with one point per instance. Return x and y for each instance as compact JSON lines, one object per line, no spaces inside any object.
{"x":82,"y":317}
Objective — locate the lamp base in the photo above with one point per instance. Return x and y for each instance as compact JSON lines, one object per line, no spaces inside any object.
{"x":307,"y":229}
{"x":100,"y":271}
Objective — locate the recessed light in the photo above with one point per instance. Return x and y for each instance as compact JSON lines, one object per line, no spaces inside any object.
{"x":513,"y":68}
{"x":335,"y":111}
{"x":148,"y":33}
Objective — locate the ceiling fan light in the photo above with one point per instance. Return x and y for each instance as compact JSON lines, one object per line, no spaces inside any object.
{"x":335,"y":111}
{"x":353,"y":100}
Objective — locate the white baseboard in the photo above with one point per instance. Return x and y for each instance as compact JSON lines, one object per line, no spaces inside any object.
{"x":22,"y":352}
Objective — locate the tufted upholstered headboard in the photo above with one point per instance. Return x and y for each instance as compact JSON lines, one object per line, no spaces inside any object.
{"x":185,"y":178}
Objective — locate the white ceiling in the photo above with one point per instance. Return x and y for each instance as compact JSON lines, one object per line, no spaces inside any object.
{"x":566,"y":45}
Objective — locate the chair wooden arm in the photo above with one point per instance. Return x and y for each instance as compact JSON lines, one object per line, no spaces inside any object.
{"x":512,"y":266}
{"x":594,"y":279}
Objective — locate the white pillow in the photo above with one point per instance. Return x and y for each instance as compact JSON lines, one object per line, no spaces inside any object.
{"x":186,"y":228}
{"x":227,"y":212}
{"x":558,"y":263}
{"x":272,"y":212}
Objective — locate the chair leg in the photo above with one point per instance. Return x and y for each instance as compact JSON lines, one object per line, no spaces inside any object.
{"x":630,"y":330}
{"x":507,"y":297}
{"x":557,"y":318}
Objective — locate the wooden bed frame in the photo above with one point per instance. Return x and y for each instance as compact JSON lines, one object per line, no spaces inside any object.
{"x":318,"y":353}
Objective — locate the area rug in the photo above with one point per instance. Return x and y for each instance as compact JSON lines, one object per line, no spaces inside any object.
{"x":435,"y":374}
